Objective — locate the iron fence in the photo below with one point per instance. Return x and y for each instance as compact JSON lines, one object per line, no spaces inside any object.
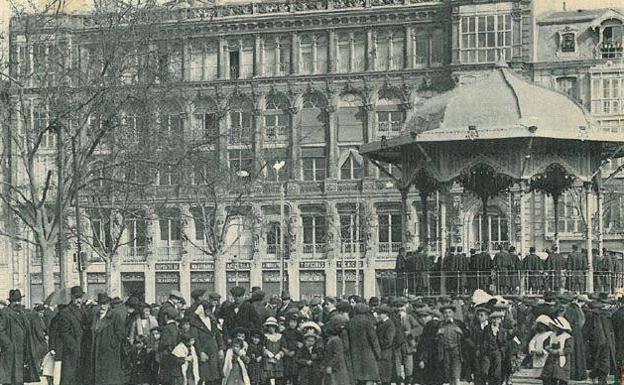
{"x":500,"y":282}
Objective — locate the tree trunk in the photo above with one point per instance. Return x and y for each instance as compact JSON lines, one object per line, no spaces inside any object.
{"x":48,"y":257}
{"x":113,"y":279}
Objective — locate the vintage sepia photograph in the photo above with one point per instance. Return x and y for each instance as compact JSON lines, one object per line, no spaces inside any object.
{"x":311,"y":192}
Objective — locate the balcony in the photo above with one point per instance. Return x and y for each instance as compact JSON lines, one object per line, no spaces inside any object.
{"x":239,"y":135}
{"x":135,"y":254}
{"x":272,"y":188}
{"x":311,"y":187}
{"x":389,"y":129}
{"x":314,"y":250}
{"x":611,"y":49}
{"x":389,"y":247}
{"x":169,"y":253}
{"x":349,"y":186}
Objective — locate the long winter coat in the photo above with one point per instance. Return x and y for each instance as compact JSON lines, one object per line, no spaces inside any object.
{"x":598,"y":332}
{"x":334,"y":358}
{"x":427,"y":353}
{"x":208,"y":341}
{"x":38,"y":333}
{"x":69,"y":328}
{"x":617,"y":319}
{"x":245,"y":317}
{"x":386,"y":332}
{"x":309,"y":374}
{"x":578,"y":367}
{"x":364,"y":346}
{"x":17,"y":364}
{"x":168,"y":363}
{"x":493,"y":352}
{"x":108,"y":334}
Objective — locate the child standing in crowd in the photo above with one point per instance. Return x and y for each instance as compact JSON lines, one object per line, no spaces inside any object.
{"x":140,"y":365}
{"x":255,"y":352}
{"x":187,"y":372}
{"x":538,"y":342}
{"x":234,"y":368}
{"x":334,"y":356}
{"x":308,"y":359}
{"x":273,"y":354}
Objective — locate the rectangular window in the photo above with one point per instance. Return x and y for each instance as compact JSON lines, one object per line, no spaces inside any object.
{"x":273,"y":238}
{"x":205,"y":127}
{"x":241,"y":162}
{"x":351,"y":52}
{"x":350,"y":232}
{"x":314,"y":169}
{"x":240,"y":127}
{"x":314,"y":234}
{"x":170,"y":229}
{"x":23,"y":63}
{"x":390,"y":123}
{"x":276,"y":128}
{"x":137,"y":232}
{"x":234,"y":65}
{"x":168,"y":175}
{"x":101,"y":233}
{"x":390,"y":229}
{"x":607,"y":94}
{"x":485,"y":37}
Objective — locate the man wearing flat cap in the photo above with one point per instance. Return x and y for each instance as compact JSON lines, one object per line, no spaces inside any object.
{"x":474,"y":343}
{"x":386,"y":333}
{"x":174,"y":301}
{"x":16,"y":360}
{"x":450,"y":341}
{"x":239,"y":313}
{"x":71,"y":332}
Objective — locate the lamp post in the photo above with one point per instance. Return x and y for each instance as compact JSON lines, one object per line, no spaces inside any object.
{"x":277,"y":166}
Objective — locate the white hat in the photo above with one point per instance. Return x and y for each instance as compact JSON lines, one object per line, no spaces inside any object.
{"x":544,"y":320}
{"x":480,"y":297}
{"x":562,"y":323}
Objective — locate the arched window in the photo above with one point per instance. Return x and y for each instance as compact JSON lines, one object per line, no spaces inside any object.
{"x":314,"y":100}
{"x":239,"y":130}
{"x":495,"y":224}
{"x":276,"y":119}
{"x":312,"y":119}
{"x":390,"y":116}
{"x":351,"y":168}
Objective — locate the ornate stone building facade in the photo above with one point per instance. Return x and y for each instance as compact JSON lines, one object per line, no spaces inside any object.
{"x":307,"y":83}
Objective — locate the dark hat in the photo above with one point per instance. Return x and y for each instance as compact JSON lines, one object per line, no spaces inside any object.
{"x":452,"y":307}
{"x":103,"y":298}
{"x":198,"y":293}
{"x":214,"y":296}
{"x":39,"y":307}
{"x":315,"y":301}
{"x":384,"y":309}
{"x":255,"y":289}
{"x":257,"y":295}
{"x":550,"y":297}
{"x":134,"y":303}
{"x":116,"y":301}
{"x":76,"y":292}
{"x":237,"y":291}
{"x":15,"y":295}
{"x":566,"y":297}
{"x":604,"y":297}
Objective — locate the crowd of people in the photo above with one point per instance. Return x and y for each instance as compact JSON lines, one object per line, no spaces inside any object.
{"x":251,"y":339}
{"x":457,"y":272}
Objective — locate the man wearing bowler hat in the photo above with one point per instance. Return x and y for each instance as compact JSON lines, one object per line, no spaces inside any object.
{"x":16,"y":359}
{"x":72,"y":324}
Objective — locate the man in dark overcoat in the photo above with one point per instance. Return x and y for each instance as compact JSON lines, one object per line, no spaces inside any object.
{"x":174,"y":301}
{"x":506,"y":267}
{"x":17,"y":363}
{"x":71,"y":325}
{"x":555,"y":264}
{"x":449,"y":269}
{"x":364,"y":346}
{"x":239,"y":313}
{"x":532,"y":265}
{"x":170,"y":337}
{"x":108,"y":333}
{"x":474,"y":342}
{"x":600,"y":337}
{"x":427,"y":358}
{"x":617,"y":319}
{"x":576,"y":266}
{"x":386,"y":331}
{"x":209,"y":344}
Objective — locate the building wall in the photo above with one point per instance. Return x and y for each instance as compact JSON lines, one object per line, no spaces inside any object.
{"x":315,"y":82}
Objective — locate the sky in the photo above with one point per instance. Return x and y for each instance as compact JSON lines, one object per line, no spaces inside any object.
{"x":541,"y":6}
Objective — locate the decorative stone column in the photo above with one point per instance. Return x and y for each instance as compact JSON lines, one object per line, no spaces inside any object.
{"x":293,"y":146}
{"x":371,"y":247}
{"x":456,"y":217}
{"x":295,"y":248}
{"x":371,"y":130}
{"x":258,"y":54}
{"x":258,"y":130}
{"x":443,"y":241}
{"x":188,"y":229}
{"x":224,"y":59}
{"x":294,"y":53}
{"x":222,"y":140}
{"x":408,"y":60}
{"x":333,"y":248}
{"x":220,"y":261}
{"x":332,"y":141}
{"x":331,"y":51}
{"x":370,"y":50}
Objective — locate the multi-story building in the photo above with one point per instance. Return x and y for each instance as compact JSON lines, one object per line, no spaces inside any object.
{"x":308,"y":82}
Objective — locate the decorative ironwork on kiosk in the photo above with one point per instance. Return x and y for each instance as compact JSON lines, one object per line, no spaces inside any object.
{"x":500,"y":134}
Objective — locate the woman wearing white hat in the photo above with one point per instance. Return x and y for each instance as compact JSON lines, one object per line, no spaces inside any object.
{"x":537,"y":343}
{"x":560,"y":345}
